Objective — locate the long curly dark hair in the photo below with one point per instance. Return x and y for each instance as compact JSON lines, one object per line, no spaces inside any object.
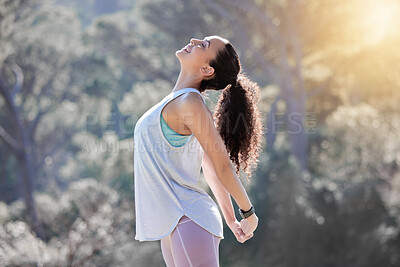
{"x":238,"y":119}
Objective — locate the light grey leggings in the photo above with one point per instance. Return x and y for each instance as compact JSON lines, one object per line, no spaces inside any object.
{"x":190,"y":245}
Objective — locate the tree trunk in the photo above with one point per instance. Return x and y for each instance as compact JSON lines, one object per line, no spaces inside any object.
{"x":295,"y":121}
{"x":21,"y":146}
{"x":27,"y":176}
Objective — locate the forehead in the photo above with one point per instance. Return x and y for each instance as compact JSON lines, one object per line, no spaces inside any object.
{"x":216,"y":41}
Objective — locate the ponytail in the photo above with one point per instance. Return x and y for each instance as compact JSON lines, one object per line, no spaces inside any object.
{"x":237,"y":117}
{"x":239,"y":122}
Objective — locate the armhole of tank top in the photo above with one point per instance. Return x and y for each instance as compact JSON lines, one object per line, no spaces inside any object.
{"x":190,"y":137}
{"x":202,"y":97}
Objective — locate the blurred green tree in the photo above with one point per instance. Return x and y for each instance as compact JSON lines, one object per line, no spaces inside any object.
{"x":39,"y":44}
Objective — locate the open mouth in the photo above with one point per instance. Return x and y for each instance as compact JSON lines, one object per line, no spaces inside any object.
{"x":187,"y":49}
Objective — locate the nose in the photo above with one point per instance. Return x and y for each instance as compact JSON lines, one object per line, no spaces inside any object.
{"x":193,"y":40}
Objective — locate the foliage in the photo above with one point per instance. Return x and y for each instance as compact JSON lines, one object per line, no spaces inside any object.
{"x":91,"y":68}
{"x":90,"y":224}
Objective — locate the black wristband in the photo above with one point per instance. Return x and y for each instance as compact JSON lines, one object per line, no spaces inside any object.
{"x":246,"y":211}
{"x":246,"y":214}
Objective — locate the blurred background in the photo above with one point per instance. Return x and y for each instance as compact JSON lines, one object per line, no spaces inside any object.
{"x":75,"y":76}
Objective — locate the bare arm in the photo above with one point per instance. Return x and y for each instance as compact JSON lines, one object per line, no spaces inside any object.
{"x":195,"y":115}
{"x":221,"y":194}
{"x":224,"y":199}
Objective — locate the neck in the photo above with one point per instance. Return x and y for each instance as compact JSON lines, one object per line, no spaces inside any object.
{"x":187,"y":79}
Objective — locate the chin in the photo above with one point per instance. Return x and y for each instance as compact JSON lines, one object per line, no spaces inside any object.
{"x":179,"y":54}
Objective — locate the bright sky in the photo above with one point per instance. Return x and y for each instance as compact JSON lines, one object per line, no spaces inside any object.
{"x":378,"y":19}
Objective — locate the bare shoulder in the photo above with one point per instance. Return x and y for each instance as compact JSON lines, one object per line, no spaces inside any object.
{"x":192,"y":102}
{"x":191,"y":98}
{"x":198,"y":118}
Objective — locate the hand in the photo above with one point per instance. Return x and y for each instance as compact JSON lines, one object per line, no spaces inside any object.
{"x":249,"y":224}
{"x":238,"y":232}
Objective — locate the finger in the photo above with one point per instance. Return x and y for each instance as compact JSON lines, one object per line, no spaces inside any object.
{"x":250,"y":235}
{"x":239,"y":238}
{"x":245,"y":239}
{"x":244,"y":226}
{"x":240,"y":231}
{"x":240,"y":234}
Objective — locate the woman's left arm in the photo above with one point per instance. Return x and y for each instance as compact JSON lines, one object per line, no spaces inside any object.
{"x":224,"y":199}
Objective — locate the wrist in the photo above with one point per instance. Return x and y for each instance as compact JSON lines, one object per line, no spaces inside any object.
{"x":247,"y":213}
{"x":230,"y":221}
{"x":252,"y":216}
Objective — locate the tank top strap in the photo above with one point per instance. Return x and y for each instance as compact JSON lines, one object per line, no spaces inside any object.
{"x":185,"y":90}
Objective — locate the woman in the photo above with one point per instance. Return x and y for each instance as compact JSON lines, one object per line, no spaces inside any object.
{"x":177,"y":137}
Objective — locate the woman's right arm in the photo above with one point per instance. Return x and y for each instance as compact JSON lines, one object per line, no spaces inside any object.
{"x":195,"y":115}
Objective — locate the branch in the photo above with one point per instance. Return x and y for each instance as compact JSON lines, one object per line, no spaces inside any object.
{"x":10,"y":141}
{"x":19,"y":79}
{"x":14,"y":113}
{"x":28,"y":88}
{"x":35,"y":121}
{"x":9,"y":101}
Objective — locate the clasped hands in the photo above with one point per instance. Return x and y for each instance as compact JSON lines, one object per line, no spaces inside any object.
{"x":244,"y":229}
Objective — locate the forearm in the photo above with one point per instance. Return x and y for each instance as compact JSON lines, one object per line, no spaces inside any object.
{"x":229,"y":179}
{"x":221,"y":194}
{"x":225,"y":203}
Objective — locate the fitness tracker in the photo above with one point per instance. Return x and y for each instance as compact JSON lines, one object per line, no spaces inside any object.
{"x":246,"y":214}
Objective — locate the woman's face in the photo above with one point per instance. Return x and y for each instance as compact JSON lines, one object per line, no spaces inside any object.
{"x":197,"y":54}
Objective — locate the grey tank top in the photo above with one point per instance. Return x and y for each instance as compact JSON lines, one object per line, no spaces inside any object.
{"x":165,"y":179}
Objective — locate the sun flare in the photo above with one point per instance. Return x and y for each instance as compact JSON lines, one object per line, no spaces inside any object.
{"x":378,"y":20}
